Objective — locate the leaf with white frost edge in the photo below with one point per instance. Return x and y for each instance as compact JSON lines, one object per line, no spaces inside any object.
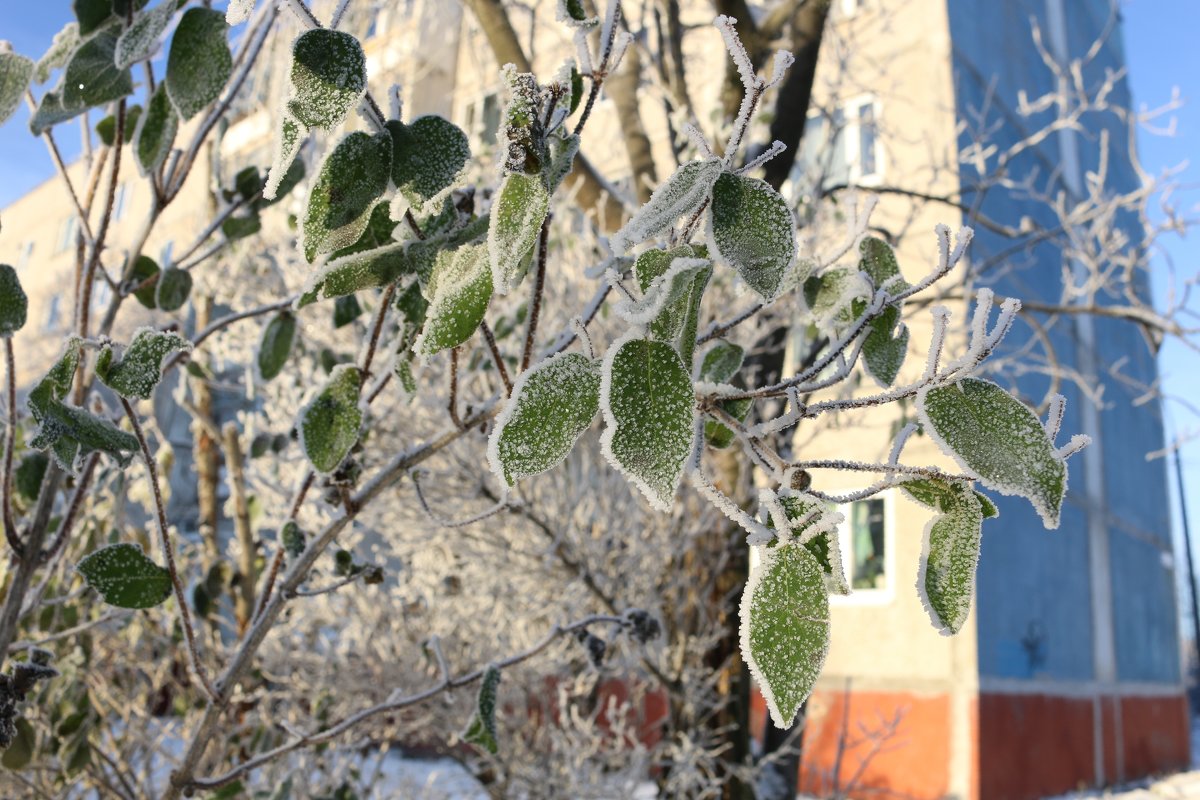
{"x":785,"y":627}
{"x":460,"y":289}
{"x":721,"y":362}
{"x":816,"y":528}
{"x":752,"y":228}
{"x":659,"y":293}
{"x":682,"y":193}
{"x":140,"y":368}
{"x":518,"y":211}
{"x":671,"y":295}
{"x":552,"y":404}
{"x":950,"y":549}
{"x":15,"y":73}
{"x":884,"y":353}
{"x":139,"y":39}
{"x":65,"y":42}
{"x":155,"y":132}
{"x":91,"y":78}
{"x":998,"y":439}
{"x":125,"y":577}
{"x":328,"y":77}
{"x":199,"y":62}
{"x":649,"y":409}
{"x":428,"y":154}
{"x":328,"y":425}
{"x":287,"y":145}
{"x":14,"y":304}
{"x":350,"y":180}
{"x":481,"y":731}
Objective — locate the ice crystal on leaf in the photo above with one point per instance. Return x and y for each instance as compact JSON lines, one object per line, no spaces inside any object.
{"x":950,"y":552}
{"x":753,"y":229}
{"x":199,"y":62}
{"x":481,"y":731}
{"x":648,"y":404}
{"x":814,"y":524}
{"x":329,"y":424}
{"x":140,"y":367}
{"x":997,"y":438}
{"x":287,"y":145}
{"x":688,"y":188}
{"x":91,"y":77}
{"x":879,"y":262}
{"x":521,"y":145}
{"x":139,"y":39}
{"x":427,"y":156}
{"x":459,"y":291}
{"x":885,"y":346}
{"x":275,"y":345}
{"x":328,"y":78}
{"x":785,"y":627}
{"x":125,"y":577}
{"x":14,"y":305}
{"x":551,"y":406}
{"x":518,"y":211}
{"x":672,"y":284}
{"x":721,"y":362}
{"x":15,"y":73}
{"x":155,"y":132}
{"x":351,"y":179}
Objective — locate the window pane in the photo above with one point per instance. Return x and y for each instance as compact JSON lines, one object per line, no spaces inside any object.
{"x":867,"y":139}
{"x":866,"y":545}
{"x":837,"y":171}
{"x":491,"y":119}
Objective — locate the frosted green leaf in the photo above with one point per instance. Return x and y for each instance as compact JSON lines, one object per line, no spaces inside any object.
{"x":481,"y":731}
{"x":329,"y":77}
{"x":521,"y":142}
{"x":719,"y":435}
{"x":71,"y":433}
{"x":145,"y":267}
{"x":688,"y":188}
{"x":461,"y":288}
{"x":672,"y":284}
{"x":65,"y":42}
{"x":50,"y":112}
{"x":15,"y":73}
{"x":106,"y":128}
{"x":427,"y":155}
{"x":753,"y":229}
{"x":830,"y":296}
{"x":721,"y":362}
{"x":345,"y":310}
{"x":174,"y":287}
{"x":239,"y":11}
{"x":518,"y":211}
{"x":403,"y":371}
{"x":562,"y":158}
{"x":199,"y":63}
{"x":362,"y":270}
{"x":951,"y":549}
{"x":91,"y":78}
{"x":785,"y":627}
{"x":57,"y":382}
{"x":139,"y":39}
{"x":140,"y":367}
{"x":648,"y":404}
{"x":91,"y":14}
{"x":816,"y":529}
{"x":287,"y":145}
{"x":27,"y":479}
{"x":998,"y":439}
{"x":552,"y":404}
{"x":329,"y":424}
{"x":276,"y":345}
{"x":351,"y":179}
{"x":14,"y":305}
{"x":879,"y":262}
{"x":155,"y":132}
{"x":885,"y":346}
{"x":125,"y":577}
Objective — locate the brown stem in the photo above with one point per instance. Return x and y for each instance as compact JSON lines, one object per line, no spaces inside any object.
{"x":535,"y":305}
{"x":68,"y":522}
{"x":10,"y":437}
{"x":452,"y":403}
{"x":497,"y":359}
{"x":244,"y":601}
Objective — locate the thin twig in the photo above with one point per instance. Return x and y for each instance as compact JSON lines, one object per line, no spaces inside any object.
{"x":452,"y":403}
{"x":10,"y":437}
{"x":497,"y":359}
{"x":539,"y":286}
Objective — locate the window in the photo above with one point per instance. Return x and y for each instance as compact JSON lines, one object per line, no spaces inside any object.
{"x":483,"y":119}
{"x":66,"y":234}
{"x":842,"y":147}
{"x":866,"y":544}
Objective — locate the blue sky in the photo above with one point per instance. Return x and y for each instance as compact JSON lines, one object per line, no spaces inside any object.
{"x":1160,"y":38}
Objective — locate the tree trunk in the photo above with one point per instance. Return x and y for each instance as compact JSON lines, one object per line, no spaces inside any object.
{"x":622,"y":87}
{"x":243,"y":602}
{"x":792,"y":101}
{"x":205,"y":453}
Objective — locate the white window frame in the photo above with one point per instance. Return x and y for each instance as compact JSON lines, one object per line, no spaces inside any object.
{"x":852,"y":138}
{"x":869,"y":597}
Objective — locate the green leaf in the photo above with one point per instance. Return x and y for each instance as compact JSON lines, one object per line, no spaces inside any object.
{"x":71,"y":433}
{"x":785,"y":627}
{"x":14,"y":305}
{"x":427,"y":155}
{"x":648,"y":404}
{"x":146,"y":267}
{"x":672,"y":283}
{"x":155,"y":132}
{"x":29,"y":475}
{"x":174,"y":287}
{"x":329,"y":424}
{"x":287,"y":145}
{"x":879,"y":262}
{"x":461,"y":288}
{"x":721,"y":362}
{"x":883,"y":352}
{"x":139,"y":39}
{"x":276,"y":345}
{"x":831,"y":296}
{"x":15,"y":73}
{"x":248,"y":183}
{"x":20,"y":751}
{"x":816,"y":529}
{"x":363,"y":270}
{"x":951,"y":549}
{"x":562,"y":158}
{"x":552,"y":404}
{"x":199,"y":63}
{"x":352,"y":178}
{"x":522,"y":139}
{"x":236,"y":228}
{"x":481,"y":731}
{"x":140,"y":367}
{"x":997,"y":438}
{"x":345,"y":310}
{"x":518,"y":211}
{"x":329,"y":77}
{"x":125,"y":577}
{"x":50,"y":112}
{"x":91,"y":14}
{"x":65,"y":42}
{"x":717,"y":434}
{"x":106,"y":128}
{"x":688,"y":188}
{"x":754,"y":230}
{"x":91,"y":78}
